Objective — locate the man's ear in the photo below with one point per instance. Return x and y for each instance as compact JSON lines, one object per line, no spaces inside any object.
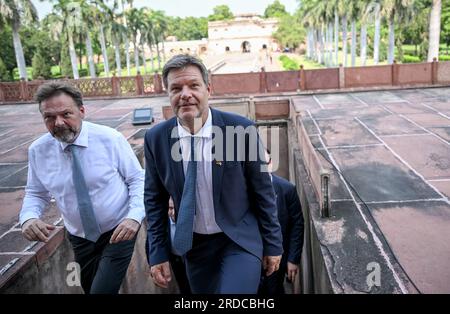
{"x":82,"y":111}
{"x":208,"y":88}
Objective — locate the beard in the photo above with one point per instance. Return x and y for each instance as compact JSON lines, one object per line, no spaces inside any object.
{"x":65,"y":134}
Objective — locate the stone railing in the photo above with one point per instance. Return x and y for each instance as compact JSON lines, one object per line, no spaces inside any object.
{"x":394,"y":75}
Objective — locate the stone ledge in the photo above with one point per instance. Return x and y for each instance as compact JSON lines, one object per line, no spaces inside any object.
{"x":39,"y":253}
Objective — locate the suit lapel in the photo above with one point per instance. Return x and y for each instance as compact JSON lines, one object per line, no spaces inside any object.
{"x":176,"y":166}
{"x":218,"y":165}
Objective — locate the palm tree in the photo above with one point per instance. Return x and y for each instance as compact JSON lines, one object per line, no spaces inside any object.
{"x":396,"y":10}
{"x":365,"y":13}
{"x":434,"y":32}
{"x":354,"y":13}
{"x":116,"y":29}
{"x":70,"y":14}
{"x":336,"y":35}
{"x":375,"y":7}
{"x":159,"y":23}
{"x":102,"y":21}
{"x":314,"y":15}
{"x":89,"y":13}
{"x":149,"y":37}
{"x":342,"y":9}
{"x":126,"y":33}
{"x":135,"y":18}
{"x":160,"y":28}
{"x":16,"y":13}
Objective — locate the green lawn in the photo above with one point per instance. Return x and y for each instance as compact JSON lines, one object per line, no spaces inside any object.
{"x":310,"y":64}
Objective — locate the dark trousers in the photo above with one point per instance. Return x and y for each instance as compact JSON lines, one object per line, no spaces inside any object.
{"x":216,"y":264}
{"x":179,"y":271}
{"x":273,"y":284}
{"x":103,"y":265}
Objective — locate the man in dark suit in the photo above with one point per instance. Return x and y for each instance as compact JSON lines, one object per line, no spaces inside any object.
{"x":291,"y":221}
{"x":176,"y":261}
{"x":226,"y":220}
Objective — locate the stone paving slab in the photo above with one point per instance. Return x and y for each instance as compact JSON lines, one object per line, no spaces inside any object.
{"x":443,"y":186}
{"x":428,"y":120}
{"x":434,"y":160}
{"x":378,"y":97}
{"x":419,"y":234}
{"x":345,"y":132}
{"x":407,"y":107}
{"x":378,"y":176}
{"x":391,"y":125}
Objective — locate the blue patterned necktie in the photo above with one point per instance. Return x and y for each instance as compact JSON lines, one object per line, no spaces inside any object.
{"x":90,"y":225}
{"x":182,"y":241}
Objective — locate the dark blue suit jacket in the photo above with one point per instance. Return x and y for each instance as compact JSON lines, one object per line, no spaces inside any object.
{"x":244,"y":199}
{"x":290,"y":217}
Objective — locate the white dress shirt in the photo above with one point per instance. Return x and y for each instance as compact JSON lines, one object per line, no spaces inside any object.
{"x":204,"y":221}
{"x":114,"y":177}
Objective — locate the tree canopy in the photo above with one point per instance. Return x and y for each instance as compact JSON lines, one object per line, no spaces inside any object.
{"x":221,"y":12}
{"x":276,"y":9}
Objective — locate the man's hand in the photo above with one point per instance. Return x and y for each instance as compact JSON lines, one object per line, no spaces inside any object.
{"x":36,"y":230}
{"x":292,"y":270}
{"x":161,"y":274}
{"x":126,"y":230}
{"x":271,"y":264}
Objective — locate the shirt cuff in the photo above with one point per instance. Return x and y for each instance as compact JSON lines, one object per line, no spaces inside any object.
{"x":24,"y":218}
{"x":136,"y":215}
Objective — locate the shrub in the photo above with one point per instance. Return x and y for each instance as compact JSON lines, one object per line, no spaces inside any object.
{"x":41,"y":67}
{"x":5,"y":75}
{"x":288,"y":63}
{"x":410,"y":59}
{"x":444,"y":57}
{"x":66,"y":66}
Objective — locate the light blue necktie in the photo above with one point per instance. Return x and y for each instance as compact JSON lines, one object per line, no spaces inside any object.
{"x":182,"y":240}
{"x":90,"y":225}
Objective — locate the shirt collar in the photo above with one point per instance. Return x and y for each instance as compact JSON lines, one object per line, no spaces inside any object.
{"x":204,"y":132}
{"x":82,"y":138}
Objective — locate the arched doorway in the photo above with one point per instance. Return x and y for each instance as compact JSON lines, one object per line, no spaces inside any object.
{"x":245,"y":46}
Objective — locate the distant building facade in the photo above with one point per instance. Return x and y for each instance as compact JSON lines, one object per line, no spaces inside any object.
{"x":245,"y":33}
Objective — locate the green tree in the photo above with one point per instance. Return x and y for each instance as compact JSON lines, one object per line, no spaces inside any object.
{"x":66,"y":64}
{"x":276,"y":9}
{"x":188,"y":28}
{"x":221,"y":12}
{"x":41,"y":67}
{"x":5,"y":75}
{"x":7,"y":49}
{"x":445,"y":23}
{"x":290,"y":33}
{"x":16,"y":14}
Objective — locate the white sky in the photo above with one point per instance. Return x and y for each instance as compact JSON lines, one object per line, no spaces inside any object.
{"x":195,"y":8}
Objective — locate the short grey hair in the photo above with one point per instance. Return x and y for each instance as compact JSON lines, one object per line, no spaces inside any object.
{"x":181,"y":61}
{"x":48,"y":90}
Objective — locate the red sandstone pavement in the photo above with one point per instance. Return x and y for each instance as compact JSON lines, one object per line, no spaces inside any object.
{"x":393,"y":148}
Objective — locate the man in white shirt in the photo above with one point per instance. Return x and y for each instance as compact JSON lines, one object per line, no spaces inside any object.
{"x":94,"y":176}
